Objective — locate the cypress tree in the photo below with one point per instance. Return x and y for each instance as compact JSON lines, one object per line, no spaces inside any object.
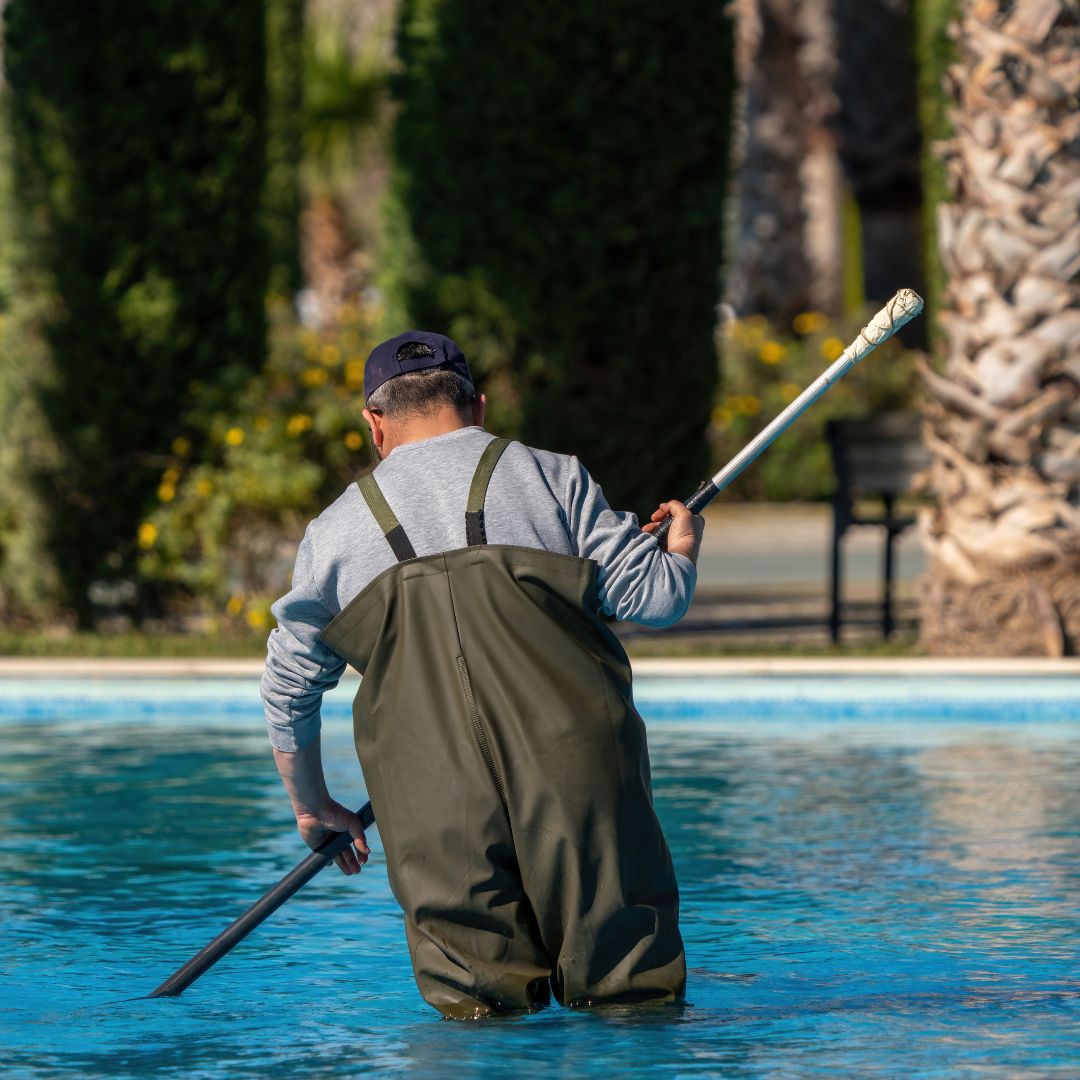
{"x":556,"y":207}
{"x":284,"y":140}
{"x":137,"y":143}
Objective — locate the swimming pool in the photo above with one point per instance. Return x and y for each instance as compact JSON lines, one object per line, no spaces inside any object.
{"x":878,"y":876}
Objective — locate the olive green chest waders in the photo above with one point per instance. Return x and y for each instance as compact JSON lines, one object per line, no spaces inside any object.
{"x":509,"y":775}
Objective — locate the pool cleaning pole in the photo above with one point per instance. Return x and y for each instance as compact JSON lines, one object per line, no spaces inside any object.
{"x":901,"y":309}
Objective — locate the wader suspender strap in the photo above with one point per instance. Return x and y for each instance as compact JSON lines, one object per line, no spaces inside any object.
{"x":385,"y":518}
{"x":474,"y":511}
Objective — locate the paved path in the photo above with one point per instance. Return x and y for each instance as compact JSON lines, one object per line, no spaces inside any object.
{"x":755,"y":545}
{"x":763,"y":577}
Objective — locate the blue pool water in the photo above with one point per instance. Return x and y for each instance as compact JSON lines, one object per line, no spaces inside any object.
{"x":879,"y":877}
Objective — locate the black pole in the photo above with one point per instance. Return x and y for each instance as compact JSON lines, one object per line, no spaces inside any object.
{"x":695,"y":504}
{"x":887,"y":624}
{"x":265,"y":906}
{"x":836,"y":566}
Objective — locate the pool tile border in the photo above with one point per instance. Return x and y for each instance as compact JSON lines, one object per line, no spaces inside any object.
{"x":24,"y":667}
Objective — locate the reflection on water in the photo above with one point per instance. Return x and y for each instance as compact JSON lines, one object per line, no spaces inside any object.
{"x":857,"y":897}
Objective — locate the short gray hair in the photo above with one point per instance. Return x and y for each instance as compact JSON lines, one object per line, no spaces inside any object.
{"x":419,"y":393}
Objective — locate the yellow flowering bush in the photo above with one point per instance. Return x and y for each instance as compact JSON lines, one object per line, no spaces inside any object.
{"x":763,"y":368}
{"x":256,"y":466}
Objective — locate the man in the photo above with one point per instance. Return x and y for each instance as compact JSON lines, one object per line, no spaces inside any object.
{"x":465,"y":578}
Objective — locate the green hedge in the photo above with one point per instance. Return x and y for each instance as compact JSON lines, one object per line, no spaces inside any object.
{"x":556,"y":206}
{"x":137,"y":150}
{"x":284,"y":141}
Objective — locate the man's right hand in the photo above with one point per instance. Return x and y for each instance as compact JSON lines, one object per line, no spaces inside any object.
{"x":317,"y":815}
{"x":684,"y":536}
{"x":333,"y":817}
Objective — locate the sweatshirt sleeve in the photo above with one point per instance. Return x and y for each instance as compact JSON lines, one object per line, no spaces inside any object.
{"x":299,"y":668}
{"x":639,"y":581}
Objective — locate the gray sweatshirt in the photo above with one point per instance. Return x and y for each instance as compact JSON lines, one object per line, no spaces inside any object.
{"x":536,"y":499}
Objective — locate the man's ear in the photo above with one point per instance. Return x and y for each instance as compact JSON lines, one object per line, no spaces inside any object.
{"x":375,"y":423}
{"x":479,"y":407}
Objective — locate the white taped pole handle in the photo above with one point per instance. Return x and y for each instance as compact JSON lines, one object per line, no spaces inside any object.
{"x":899,"y":311}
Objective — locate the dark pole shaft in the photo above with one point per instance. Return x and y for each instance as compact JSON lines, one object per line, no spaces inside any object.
{"x":695,"y":504}
{"x":265,"y":906}
{"x":887,"y":625}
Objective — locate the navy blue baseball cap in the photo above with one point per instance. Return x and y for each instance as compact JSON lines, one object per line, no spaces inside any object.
{"x":385,"y":363}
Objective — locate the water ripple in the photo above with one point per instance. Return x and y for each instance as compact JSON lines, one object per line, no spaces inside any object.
{"x":857,"y":899}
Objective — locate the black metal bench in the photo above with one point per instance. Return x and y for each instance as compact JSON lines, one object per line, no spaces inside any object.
{"x":875,"y":457}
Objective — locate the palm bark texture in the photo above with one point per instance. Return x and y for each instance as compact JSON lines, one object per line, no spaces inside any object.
{"x":782,"y":157}
{"x":1003,"y":416}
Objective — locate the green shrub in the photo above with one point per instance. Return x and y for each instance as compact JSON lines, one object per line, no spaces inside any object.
{"x":284,"y":141}
{"x":556,"y":206}
{"x":137,"y":150}
{"x":236,"y":492}
{"x":766,"y":368}
{"x":28,"y":582}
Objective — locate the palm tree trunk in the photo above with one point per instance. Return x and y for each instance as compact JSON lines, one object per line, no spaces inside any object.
{"x":786,"y":256}
{"x":1003,"y":419}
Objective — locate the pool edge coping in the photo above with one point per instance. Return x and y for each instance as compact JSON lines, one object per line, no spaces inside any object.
{"x":656,"y":667}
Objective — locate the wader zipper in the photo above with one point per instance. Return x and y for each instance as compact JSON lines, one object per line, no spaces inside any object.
{"x":478,"y":730}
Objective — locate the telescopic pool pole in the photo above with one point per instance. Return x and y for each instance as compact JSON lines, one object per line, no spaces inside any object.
{"x":901,"y":309}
